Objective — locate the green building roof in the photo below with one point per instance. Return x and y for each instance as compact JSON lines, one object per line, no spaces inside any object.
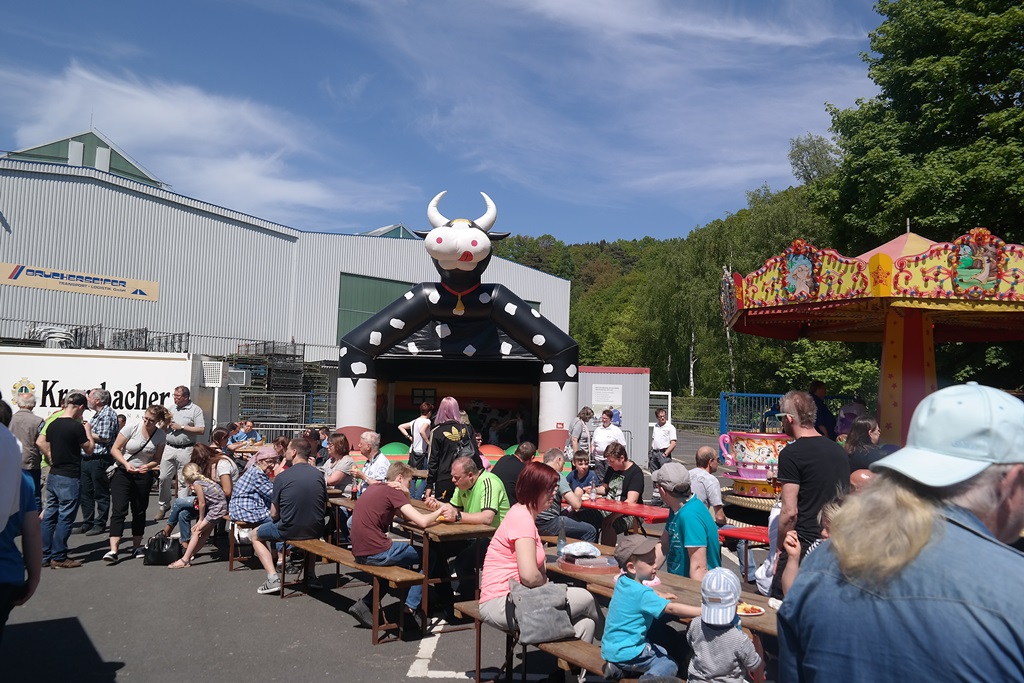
{"x":89,"y":149}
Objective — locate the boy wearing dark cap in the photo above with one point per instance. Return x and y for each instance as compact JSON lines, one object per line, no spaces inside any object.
{"x":633,"y":609}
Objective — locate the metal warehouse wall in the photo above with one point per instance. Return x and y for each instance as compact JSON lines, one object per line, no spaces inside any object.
{"x":224,"y":276}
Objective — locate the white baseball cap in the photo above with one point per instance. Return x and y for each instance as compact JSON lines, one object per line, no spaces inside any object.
{"x":719,"y":593}
{"x":957,"y":432}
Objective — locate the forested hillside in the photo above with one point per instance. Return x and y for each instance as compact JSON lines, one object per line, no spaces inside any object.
{"x":942,"y":145}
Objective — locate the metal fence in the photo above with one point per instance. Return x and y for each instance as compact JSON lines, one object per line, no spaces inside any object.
{"x":288,"y":407}
{"x":64,"y":336}
{"x":271,"y":430}
{"x":756,"y":412}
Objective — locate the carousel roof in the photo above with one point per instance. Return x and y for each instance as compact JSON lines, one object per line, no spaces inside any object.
{"x":971,"y":288}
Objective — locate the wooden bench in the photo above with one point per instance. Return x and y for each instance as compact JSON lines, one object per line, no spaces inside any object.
{"x":396,"y":577}
{"x":572,"y":652}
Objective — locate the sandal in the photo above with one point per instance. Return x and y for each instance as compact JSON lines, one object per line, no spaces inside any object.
{"x":179,"y":564}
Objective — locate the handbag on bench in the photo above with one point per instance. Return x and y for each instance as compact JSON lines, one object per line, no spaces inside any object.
{"x":541,"y":613}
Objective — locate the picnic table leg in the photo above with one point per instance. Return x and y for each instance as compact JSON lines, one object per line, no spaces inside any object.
{"x":376,"y":611}
{"x":479,"y":628}
{"x":425,"y":568}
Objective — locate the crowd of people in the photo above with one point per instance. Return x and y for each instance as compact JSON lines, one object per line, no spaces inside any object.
{"x":856,"y":569}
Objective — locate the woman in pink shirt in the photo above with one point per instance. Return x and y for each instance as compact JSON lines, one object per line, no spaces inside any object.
{"x":516,"y":552}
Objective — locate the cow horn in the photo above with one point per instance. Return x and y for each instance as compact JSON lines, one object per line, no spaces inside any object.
{"x":433,"y":215}
{"x":486,"y":222}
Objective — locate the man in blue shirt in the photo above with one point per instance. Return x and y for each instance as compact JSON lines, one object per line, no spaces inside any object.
{"x":245,"y":436}
{"x":690,"y":540}
{"x":916,"y":582}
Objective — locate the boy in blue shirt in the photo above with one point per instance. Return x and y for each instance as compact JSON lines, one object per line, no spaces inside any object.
{"x":581,"y":477}
{"x":633,"y":609}
{"x":15,"y":590}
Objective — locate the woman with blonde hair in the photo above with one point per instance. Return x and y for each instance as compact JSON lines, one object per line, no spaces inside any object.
{"x":212,"y":507}
{"x":137,"y":452}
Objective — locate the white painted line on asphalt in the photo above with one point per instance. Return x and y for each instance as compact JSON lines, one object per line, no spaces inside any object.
{"x":420,"y":667}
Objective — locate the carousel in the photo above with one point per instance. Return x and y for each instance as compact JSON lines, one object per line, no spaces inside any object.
{"x":906,"y":294}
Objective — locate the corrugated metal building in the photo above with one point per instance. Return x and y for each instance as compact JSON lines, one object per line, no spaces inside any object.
{"x":220,"y":275}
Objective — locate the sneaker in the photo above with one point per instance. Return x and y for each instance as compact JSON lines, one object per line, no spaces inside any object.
{"x":65,"y":564}
{"x":313,"y":582}
{"x":95,"y":531}
{"x":361,"y":612}
{"x":138,"y":552}
{"x":46,"y":563}
{"x":611,"y":671}
{"x":415,"y":616}
{"x":80,"y":530}
{"x":110,"y":558}
{"x":271,"y":585}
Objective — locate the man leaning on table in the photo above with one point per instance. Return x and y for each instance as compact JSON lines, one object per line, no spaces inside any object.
{"x":690,"y":541}
{"x":371,"y":544}
{"x":479,"y":498}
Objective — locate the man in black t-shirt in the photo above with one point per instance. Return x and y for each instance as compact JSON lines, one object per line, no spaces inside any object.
{"x":623,"y":480}
{"x":511,"y":466}
{"x":62,"y":444}
{"x":298,"y":507}
{"x":813,"y":470}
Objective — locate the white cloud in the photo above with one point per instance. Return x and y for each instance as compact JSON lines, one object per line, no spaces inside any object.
{"x":228,"y":151}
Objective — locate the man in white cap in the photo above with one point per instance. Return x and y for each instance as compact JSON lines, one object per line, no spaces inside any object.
{"x":917,"y":582}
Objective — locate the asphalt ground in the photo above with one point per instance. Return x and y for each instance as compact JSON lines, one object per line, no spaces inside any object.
{"x":146,"y":623}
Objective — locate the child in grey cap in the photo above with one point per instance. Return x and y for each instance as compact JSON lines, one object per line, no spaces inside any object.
{"x":722,"y":653}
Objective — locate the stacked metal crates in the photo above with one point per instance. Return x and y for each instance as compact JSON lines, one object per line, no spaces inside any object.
{"x":275,"y":392}
{"x":316,"y":384}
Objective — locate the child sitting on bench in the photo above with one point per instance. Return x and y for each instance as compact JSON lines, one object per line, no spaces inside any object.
{"x":634,"y":607}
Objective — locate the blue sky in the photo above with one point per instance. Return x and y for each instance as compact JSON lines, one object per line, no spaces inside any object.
{"x":584,"y":119}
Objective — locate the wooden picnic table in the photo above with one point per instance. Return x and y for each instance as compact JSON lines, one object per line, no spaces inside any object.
{"x":687,"y":592}
{"x":248,"y":450}
{"x":652,"y":514}
{"x":439,"y":533}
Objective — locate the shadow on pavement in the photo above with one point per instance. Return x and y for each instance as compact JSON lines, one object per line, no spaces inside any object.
{"x":54,"y":650}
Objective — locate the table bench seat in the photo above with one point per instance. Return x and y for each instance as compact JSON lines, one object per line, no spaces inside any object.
{"x":571,"y":652}
{"x":396,"y":577}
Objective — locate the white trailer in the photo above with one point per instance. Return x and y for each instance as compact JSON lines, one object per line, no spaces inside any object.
{"x":135,"y":379}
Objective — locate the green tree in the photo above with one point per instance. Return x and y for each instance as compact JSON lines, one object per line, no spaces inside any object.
{"x":943,"y":142}
{"x":813,"y":157}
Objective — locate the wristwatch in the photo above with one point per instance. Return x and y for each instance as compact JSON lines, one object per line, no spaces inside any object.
{"x":458,"y":515}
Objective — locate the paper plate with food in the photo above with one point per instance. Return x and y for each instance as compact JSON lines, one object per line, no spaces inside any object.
{"x":745,"y":609}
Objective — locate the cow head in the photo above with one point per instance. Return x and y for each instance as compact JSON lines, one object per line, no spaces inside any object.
{"x":460,"y":248}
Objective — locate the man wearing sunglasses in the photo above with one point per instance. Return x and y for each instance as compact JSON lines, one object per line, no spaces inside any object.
{"x":812,"y":470}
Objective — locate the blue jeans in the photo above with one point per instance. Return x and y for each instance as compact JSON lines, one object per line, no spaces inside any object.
{"x":574,"y":528}
{"x":653,"y":662}
{"x":398,"y":555}
{"x":183,"y":513}
{"x":741,"y":550}
{"x":61,"y":508}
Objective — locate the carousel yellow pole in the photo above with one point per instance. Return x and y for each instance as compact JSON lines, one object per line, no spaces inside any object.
{"x":908,"y":370}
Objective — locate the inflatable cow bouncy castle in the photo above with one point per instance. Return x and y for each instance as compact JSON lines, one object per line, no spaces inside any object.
{"x":460,"y":319}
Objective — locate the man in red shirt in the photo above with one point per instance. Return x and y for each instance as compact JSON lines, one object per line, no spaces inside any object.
{"x":371,"y":521}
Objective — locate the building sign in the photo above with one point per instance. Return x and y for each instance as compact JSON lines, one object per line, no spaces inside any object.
{"x":604,"y":395}
{"x":21,"y":275}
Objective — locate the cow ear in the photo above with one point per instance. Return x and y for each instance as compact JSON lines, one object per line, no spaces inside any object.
{"x":422,"y":234}
{"x":495,"y":236}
